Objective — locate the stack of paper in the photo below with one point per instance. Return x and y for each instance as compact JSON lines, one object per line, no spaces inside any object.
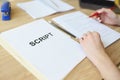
{"x":42,"y":8}
{"x":44,"y":50}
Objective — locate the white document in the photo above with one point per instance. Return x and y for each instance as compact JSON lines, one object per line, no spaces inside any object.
{"x":42,"y":8}
{"x":78,"y":23}
{"x":36,"y":9}
{"x":51,"y":52}
{"x":58,"y":5}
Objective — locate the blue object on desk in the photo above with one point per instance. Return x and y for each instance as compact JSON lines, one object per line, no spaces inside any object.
{"x":6,"y":11}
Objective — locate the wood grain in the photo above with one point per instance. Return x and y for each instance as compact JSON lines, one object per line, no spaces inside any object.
{"x":10,"y":69}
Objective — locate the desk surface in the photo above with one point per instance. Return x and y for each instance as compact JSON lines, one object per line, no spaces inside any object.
{"x":10,"y":69}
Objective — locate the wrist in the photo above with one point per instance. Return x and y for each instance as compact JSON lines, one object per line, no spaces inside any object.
{"x":100,"y":58}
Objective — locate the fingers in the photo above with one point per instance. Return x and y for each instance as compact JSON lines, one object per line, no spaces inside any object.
{"x":102,"y":13}
{"x":96,"y":33}
{"x":83,"y":36}
{"x":102,"y":10}
{"x":97,"y":17}
{"x":89,"y":35}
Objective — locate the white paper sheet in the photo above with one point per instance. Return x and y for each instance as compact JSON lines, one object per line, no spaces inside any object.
{"x":42,"y":8}
{"x":36,"y":9}
{"x":54,"y":57}
{"x":78,"y":23}
{"x":60,"y":5}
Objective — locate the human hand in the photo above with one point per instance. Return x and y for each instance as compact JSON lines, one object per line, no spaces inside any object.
{"x":92,"y":45}
{"x":94,"y":49}
{"x":107,"y":16}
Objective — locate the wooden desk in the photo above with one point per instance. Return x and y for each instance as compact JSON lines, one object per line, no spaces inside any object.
{"x":10,"y":69}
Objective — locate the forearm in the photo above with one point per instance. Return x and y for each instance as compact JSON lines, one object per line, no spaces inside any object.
{"x":94,"y":49}
{"x":106,"y":67}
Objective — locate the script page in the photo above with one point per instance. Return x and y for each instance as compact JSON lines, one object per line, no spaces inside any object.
{"x":50,"y":51}
{"x":78,"y":23}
